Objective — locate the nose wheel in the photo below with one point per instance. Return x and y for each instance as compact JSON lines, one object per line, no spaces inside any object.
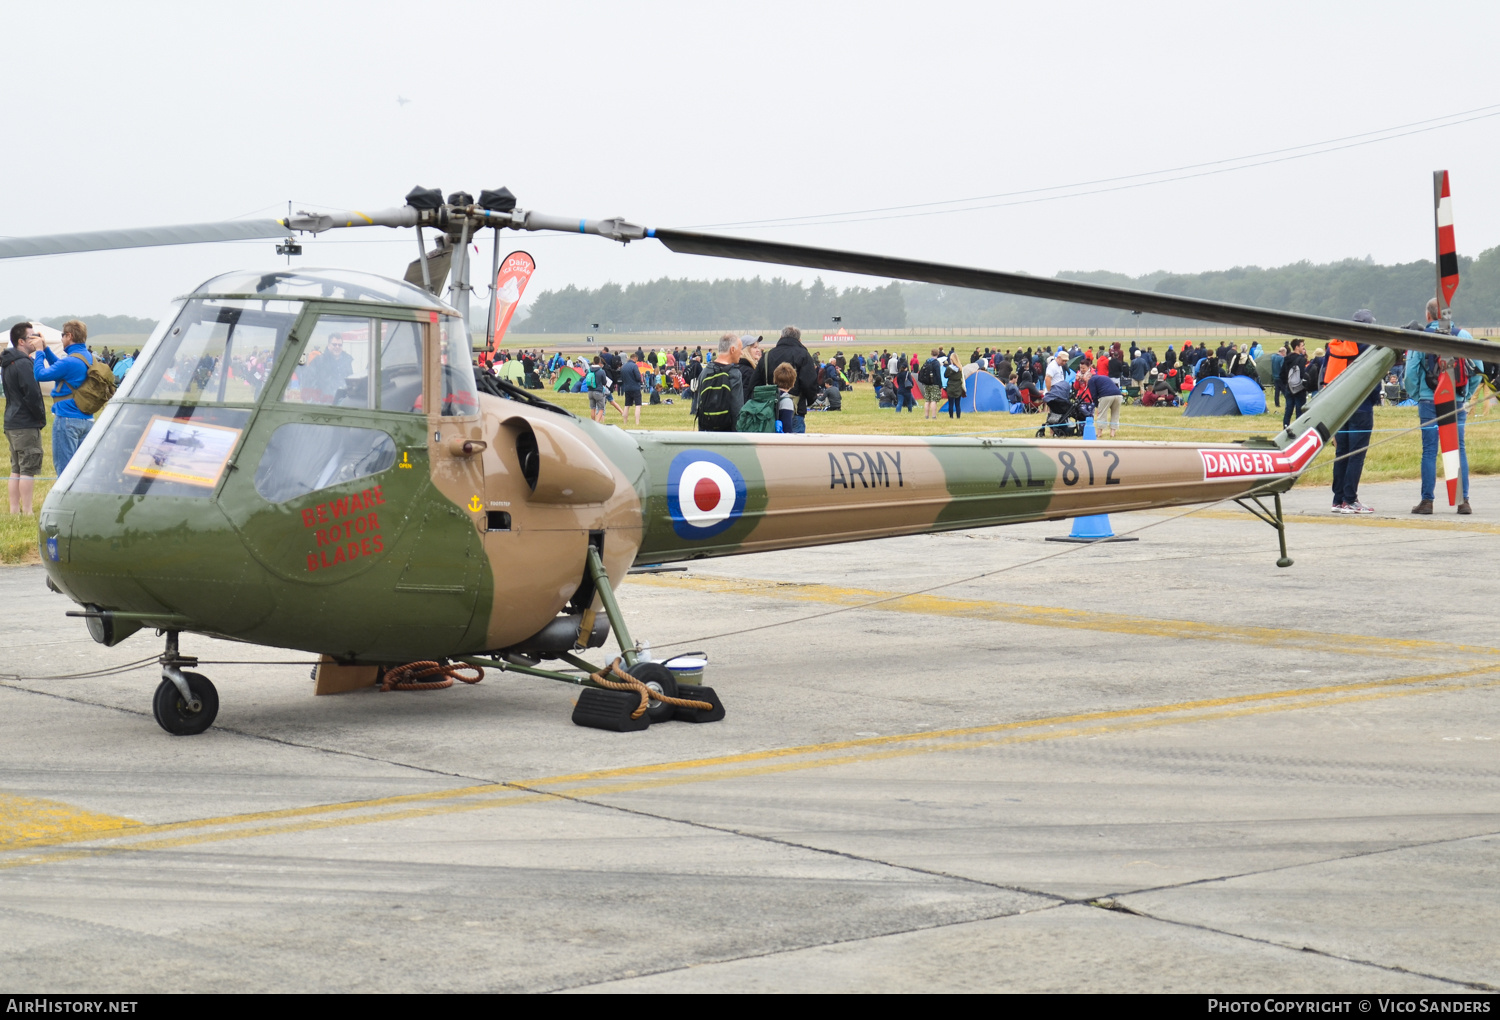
{"x":183,"y":715}
{"x":184,"y":703}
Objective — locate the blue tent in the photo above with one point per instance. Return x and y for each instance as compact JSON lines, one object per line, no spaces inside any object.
{"x":1213,"y":396}
{"x":983,"y":392}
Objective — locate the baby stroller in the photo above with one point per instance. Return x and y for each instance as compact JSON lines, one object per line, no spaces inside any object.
{"x":1065,"y":419}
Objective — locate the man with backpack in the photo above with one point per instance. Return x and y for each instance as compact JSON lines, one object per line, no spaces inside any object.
{"x":720,"y":394}
{"x":80,"y":387}
{"x":930,"y":377}
{"x":593,"y":384}
{"x":1294,"y":381}
{"x":789,"y":351}
{"x":1421,"y":380}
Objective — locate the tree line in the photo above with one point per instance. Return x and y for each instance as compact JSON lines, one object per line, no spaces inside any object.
{"x":97,"y":324}
{"x":1395,"y":294}
{"x":711,"y":304}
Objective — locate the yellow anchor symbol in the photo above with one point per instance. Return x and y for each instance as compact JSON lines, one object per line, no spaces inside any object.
{"x":405,"y":460}
{"x":475,"y":505}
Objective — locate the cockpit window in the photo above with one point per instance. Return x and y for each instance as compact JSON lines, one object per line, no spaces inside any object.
{"x":335,"y":365}
{"x":460,"y":395}
{"x":217,"y":351}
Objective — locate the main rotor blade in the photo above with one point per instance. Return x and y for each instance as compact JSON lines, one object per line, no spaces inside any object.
{"x":140,"y":237}
{"x":1286,"y":323}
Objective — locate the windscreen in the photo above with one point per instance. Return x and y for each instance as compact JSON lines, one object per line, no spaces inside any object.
{"x":460,"y":395}
{"x":218,"y":351}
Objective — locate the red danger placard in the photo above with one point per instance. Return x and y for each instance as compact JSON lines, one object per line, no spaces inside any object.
{"x":1250,"y":464}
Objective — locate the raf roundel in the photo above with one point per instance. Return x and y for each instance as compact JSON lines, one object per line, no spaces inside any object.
{"x":705,"y":494}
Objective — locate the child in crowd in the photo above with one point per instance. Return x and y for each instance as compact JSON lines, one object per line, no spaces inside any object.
{"x":785,"y":377}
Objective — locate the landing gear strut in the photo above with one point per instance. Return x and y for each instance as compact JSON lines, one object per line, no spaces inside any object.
{"x":184,"y":703}
{"x":1272,"y":517}
{"x":615,"y":698}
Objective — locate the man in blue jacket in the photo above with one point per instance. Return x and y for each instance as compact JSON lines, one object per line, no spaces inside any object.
{"x":630,"y":385}
{"x":1418,"y":388}
{"x":69,"y":424}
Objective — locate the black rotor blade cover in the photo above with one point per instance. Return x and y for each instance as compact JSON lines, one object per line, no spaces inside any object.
{"x":498,"y":200}
{"x":1271,"y":320}
{"x":424,"y":198}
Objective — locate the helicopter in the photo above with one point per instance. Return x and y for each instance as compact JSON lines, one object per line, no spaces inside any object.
{"x":395,"y":513}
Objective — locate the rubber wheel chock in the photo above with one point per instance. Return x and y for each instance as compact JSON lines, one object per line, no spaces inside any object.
{"x":609,"y":710}
{"x":693,"y":693}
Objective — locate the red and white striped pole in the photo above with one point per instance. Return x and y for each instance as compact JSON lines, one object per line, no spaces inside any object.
{"x":1445,"y":398}
{"x":1447,"y":252}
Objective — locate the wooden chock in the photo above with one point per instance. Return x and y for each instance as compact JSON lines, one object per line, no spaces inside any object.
{"x":335,"y":679}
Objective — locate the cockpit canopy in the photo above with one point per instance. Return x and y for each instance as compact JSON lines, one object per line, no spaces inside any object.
{"x":325,"y":341}
{"x":362,"y":344}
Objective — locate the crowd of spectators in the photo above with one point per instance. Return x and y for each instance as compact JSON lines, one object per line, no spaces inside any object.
{"x":788,"y":381}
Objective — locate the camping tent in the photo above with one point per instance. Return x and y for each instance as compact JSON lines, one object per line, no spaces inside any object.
{"x":1263,"y":368}
{"x":981,"y":387}
{"x":983,"y":392}
{"x":566,"y":376}
{"x":1213,"y":397}
{"x":514,"y":370}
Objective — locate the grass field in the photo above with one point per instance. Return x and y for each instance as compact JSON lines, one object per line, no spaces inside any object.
{"x":18,"y":531}
{"x":1393,"y":455}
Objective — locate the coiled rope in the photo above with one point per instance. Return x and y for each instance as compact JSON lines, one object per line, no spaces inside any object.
{"x":409,"y":677}
{"x":647,"y":694}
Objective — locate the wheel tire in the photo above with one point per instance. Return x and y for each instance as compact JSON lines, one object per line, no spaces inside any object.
{"x":173,"y":714}
{"x":1041,"y":433}
{"x":661,"y":679}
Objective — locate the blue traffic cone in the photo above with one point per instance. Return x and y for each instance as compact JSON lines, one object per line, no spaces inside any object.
{"x":1095,"y":527}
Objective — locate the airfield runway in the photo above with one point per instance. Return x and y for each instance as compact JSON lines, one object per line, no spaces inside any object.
{"x":1159,"y":765}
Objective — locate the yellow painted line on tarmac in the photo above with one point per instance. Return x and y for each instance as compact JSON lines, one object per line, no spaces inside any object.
{"x":1023,"y":724}
{"x":752,"y":764}
{"x":1068,"y":619}
{"x":129,"y":828}
{"x":253,"y":832}
{"x":969,"y":745}
{"x":25,"y":820}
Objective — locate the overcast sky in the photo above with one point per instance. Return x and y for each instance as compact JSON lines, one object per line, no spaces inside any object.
{"x":700,"y":113}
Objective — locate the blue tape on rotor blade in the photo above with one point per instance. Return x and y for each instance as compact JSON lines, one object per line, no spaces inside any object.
{"x":651,"y":232}
{"x":581,"y":225}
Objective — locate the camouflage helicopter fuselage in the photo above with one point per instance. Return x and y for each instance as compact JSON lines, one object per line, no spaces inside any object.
{"x":464,"y":524}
